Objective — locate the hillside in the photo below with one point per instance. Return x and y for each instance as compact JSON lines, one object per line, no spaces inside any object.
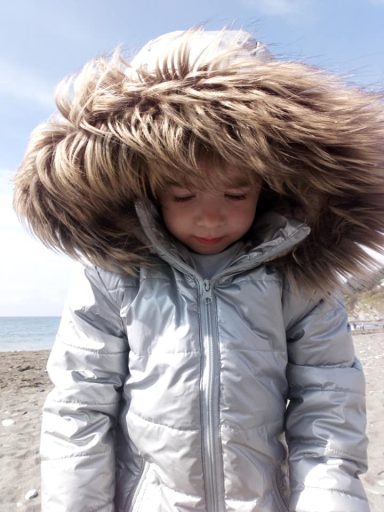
{"x":367,"y":305}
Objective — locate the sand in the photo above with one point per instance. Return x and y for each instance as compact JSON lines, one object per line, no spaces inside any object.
{"x":24,"y":385}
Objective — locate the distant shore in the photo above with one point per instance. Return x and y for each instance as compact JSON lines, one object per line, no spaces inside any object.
{"x":24,"y":385}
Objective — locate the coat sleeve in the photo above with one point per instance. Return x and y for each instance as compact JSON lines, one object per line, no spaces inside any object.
{"x":325,"y":420}
{"x":87,"y":367}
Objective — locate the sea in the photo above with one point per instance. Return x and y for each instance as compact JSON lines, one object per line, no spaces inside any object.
{"x":27,"y":332}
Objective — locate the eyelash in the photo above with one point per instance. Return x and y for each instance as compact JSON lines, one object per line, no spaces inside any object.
{"x":182,"y":199}
{"x":236,"y":197}
{"x":232,"y":197}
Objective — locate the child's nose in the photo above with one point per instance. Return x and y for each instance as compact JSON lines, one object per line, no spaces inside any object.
{"x":211,"y":215}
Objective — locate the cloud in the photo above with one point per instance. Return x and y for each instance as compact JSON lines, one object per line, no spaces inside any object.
{"x":24,"y":84}
{"x":33,"y":278}
{"x":278,"y":7}
{"x":8,"y":218}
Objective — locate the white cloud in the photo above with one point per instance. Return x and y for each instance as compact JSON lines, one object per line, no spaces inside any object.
{"x":33,"y":279}
{"x":8,"y":219}
{"x":278,"y":7}
{"x":24,"y":84}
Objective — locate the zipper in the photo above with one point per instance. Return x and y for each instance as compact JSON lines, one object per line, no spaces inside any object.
{"x":210,"y":399}
{"x":282,"y":504}
{"x":133,"y":501}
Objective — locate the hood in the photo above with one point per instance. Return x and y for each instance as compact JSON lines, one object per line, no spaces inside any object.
{"x":123,"y":128}
{"x":202,"y":48}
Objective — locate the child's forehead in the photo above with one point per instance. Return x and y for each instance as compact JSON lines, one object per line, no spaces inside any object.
{"x":204,"y":184}
{"x":215,"y":177}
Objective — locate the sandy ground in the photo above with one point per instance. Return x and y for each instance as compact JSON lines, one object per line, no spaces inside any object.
{"x":24,"y":385}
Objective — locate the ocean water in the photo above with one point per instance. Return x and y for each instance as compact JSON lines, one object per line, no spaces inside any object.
{"x":27,"y":333}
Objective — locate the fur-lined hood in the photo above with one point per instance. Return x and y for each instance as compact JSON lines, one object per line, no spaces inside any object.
{"x":124,"y":129}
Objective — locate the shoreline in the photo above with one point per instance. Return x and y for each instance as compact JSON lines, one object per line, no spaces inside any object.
{"x":24,"y":385}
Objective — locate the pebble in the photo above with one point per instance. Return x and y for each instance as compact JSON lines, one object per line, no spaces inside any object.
{"x":7,"y":422}
{"x":32,"y":493}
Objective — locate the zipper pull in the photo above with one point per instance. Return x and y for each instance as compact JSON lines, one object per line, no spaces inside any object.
{"x":206,"y":290}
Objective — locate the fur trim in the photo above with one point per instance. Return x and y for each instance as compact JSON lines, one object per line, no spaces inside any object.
{"x":122,"y":132}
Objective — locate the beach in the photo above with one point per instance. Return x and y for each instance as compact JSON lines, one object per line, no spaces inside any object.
{"x":24,"y":385}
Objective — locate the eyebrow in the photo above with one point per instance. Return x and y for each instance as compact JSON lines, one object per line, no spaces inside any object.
{"x":224,"y":182}
{"x":238,"y":184}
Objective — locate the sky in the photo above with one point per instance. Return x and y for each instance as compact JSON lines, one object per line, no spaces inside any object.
{"x":42,"y":41}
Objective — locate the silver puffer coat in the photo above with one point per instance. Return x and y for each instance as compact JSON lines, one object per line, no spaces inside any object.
{"x":172,"y":393}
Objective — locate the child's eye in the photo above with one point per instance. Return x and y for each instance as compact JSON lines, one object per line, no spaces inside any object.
{"x":182,"y":199}
{"x":236,"y":197}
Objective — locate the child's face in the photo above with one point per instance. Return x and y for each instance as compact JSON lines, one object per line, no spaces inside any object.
{"x":209,"y":220}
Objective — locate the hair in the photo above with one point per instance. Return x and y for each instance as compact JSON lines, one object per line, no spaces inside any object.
{"x":123,"y":131}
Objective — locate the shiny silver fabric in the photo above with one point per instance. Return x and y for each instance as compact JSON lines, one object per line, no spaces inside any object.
{"x":172,"y":392}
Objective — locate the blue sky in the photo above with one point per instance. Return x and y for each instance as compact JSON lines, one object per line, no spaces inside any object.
{"x":44,"y":40}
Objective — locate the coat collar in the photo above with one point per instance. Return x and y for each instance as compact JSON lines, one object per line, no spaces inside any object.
{"x":271,"y":237}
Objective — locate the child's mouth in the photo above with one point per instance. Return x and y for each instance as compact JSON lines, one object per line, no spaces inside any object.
{"x":208,"y":241}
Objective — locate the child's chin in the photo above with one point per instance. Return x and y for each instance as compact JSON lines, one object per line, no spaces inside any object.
{"x":208,"y":247}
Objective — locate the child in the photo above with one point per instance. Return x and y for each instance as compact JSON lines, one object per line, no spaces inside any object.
{"x":218,"y":197}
